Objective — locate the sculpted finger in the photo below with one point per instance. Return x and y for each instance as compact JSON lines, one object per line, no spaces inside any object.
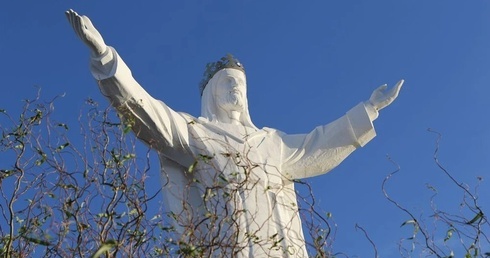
{"x":382,"y":87}
{"x":87,"y":22}
{"x":67,"y":14}
{"x":397,"y":88}
{"x":400,"y":84}
{"x":79,"y":27}
{"x":72,"y":17}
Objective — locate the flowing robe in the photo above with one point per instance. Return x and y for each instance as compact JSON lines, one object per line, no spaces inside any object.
{"x":229,"y":188}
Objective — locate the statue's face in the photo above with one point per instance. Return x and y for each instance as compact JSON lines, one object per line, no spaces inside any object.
{"x":231,"y":90}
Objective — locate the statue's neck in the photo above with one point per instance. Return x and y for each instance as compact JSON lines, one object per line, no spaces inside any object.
{"x":229,"y":117}
{"x":237,"y":129}
{"x":234,"y":117}
{"x":231,"y":123}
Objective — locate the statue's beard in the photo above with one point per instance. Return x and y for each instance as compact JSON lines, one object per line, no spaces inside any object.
{"x":232,"y":102}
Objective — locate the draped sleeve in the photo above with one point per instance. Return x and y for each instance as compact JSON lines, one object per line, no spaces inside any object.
{"x":152,"y":121}
{"x":307,"y":155}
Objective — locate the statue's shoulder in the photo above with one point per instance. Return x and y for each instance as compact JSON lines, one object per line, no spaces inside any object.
{"x":272,"y":131}
{"x":187,"y":117}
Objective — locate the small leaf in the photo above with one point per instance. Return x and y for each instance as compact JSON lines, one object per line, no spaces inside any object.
{"x":83,"y":226}
{"x":476,"y":218}
{"x":205,"y":158}
{"x":129,"y":156}
{"x":69,"y":214}
{"x":62,"y":146}
{"x":37,"y":241}
{"x":223,"y":178}
{"x":192,"y":167}
{"x":133,"y":212}
{"x":155,"y":217}
{"x":63,"y":125}
{"x":127,"y":129}
{"x":19,"y":220}
{"x":105,"y":247}
{"x":430,"y":187}
{"x":69,"y":186}
{"x":449,"y":234}
{"x":408,"y":222}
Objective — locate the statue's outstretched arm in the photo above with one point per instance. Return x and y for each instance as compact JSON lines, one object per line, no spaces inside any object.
{"x":86,"y":31}
{"x":152,"y":121}
{"x":327,"y":146}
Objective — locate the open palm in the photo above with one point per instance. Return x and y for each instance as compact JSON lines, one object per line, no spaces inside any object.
{"x":86,"y":31}
{"x":382,"y":97}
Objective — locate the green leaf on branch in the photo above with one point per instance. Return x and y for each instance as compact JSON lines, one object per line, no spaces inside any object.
{"x":62,"y":146}
{"x":105,"y":247}
{"x":432,"y":188}
{"x":449,"y":234}
{"x":411,"y":221}
{"x":69,"y":215}
{"x":83,"y":226}
{"x":127,"y":129}
{"x":37,"y":117}
{"x":37,"y":241}
{"x":63,"y":125}
{"x":205,"y":158}
{"x":133,"y":212}
{"x":43,"y":158}
{"x":476,"y":218}
{"x":192,"y":167}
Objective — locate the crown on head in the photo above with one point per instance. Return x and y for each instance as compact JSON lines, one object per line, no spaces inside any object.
{"x":212,"y":68}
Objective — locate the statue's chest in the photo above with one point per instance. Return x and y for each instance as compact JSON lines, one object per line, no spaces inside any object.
{"x":234,"y":158}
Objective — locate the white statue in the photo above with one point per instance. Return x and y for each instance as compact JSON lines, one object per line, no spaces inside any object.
{"x":228,"y":184}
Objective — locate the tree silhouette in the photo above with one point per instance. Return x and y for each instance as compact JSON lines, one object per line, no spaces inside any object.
{"x":87,"y":196}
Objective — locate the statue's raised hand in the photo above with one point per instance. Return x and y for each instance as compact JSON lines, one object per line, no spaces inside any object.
{"x":381,"y":97}
{"x":86,"y":32}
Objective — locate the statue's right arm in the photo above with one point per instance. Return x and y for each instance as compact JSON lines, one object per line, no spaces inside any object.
{"x":151,"y":120}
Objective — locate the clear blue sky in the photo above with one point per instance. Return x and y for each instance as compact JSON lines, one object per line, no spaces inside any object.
{"x":307,"y":62}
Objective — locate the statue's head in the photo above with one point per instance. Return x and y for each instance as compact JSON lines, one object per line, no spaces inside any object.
{"x":230,"y":90}
{"x":224,"y":89}
{"x":212,"y":68}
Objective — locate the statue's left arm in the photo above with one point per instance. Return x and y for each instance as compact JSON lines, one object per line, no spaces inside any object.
{"x":307,"y":155}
